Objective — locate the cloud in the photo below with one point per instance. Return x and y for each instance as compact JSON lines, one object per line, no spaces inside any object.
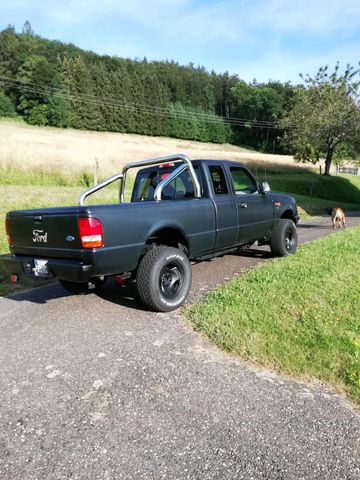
{"x":230,"y":18}
{"x":203,"y":20}
{"x":262,"y":38}
{"x":286,"y":66}
{"x":182,"y":19}
{"x":316,"y":16}
{"x":85,"y":11}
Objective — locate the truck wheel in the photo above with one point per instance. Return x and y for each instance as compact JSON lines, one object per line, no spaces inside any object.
{"x":163,"y":278}
{"x":83,"y":288}
{"x":284,"y":239}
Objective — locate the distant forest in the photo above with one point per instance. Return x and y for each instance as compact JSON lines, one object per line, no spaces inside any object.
{"x":48,"y":82}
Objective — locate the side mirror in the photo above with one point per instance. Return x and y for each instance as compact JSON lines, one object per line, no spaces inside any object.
{"x":265,"y":187}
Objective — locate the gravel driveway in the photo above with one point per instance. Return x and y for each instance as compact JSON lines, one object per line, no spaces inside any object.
{"x":96,"y":388}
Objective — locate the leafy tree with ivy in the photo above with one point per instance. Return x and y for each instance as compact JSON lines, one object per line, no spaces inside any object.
{"x":326,"y":115}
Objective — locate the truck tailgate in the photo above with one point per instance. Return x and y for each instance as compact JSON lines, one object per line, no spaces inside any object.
{"x":45,"y":233}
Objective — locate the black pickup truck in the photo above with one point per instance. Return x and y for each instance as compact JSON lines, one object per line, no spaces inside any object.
{"x":180,"y":210}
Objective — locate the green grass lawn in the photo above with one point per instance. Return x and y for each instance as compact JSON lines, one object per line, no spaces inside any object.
{"x":314,"y":193}
{"x":298,"y":315}
{"x":311,"y":206}
{"x":341,"y":188}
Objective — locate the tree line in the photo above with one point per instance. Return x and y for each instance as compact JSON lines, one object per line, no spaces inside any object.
{"x":52,"y":83}
{"x":49,"y":82}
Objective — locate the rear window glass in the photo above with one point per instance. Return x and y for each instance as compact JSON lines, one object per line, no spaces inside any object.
{"x":147,"y":181}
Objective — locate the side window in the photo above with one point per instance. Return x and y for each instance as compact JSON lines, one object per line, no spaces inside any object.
{"x":242,"y":182}
{"x":218,"y":179}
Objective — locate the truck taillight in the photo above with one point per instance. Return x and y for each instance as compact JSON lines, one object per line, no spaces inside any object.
{"x":7,"y":229}
{"x":91,"y":233}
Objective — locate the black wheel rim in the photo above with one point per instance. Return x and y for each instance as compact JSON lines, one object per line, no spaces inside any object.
{"x":171,"y":280}
{"x":289,"y":240}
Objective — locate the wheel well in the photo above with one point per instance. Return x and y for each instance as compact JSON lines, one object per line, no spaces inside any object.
{"x":170,"y":237}
{"x":288,"y":214}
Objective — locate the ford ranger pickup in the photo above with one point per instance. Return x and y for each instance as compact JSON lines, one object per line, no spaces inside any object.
{"x":180,"y":211}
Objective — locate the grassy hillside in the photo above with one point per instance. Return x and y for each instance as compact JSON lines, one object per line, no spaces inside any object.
{"x":314,"y":193}
{"x":24,"y":147}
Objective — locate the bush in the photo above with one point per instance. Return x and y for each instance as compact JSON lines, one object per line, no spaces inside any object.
{"x":6,"y":106}
{"x":38,"y":115}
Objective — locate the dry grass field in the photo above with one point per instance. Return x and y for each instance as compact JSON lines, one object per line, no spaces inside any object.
{"x":23,"y":147}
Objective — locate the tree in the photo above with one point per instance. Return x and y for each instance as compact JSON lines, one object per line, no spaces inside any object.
{"x":58,"y":111}
{"x":325,"y":116}
{"x":6,"y":106}
{"x":79,"y":87}
{"x":40,"y":99}
{"x":259,"y":105}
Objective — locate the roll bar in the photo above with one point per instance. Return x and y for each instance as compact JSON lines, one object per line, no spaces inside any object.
{"x":167,"y":180}
{"x":99,"y":186}
{"x":145,"y":163}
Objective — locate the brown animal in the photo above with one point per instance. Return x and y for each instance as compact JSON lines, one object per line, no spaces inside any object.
{"x":338,"y":217}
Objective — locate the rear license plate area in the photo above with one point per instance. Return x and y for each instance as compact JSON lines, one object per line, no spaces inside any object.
{"x":41,"y":269}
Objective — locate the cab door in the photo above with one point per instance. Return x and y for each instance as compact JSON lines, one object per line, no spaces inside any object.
{"x":225,"y":208}
{"x":254,"y":208}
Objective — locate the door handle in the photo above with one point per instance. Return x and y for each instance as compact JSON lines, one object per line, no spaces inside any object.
{"x":243,"y":204}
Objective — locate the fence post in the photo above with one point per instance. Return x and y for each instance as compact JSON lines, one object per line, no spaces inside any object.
{"x":312,"y":188}
{"x":96,"y":172}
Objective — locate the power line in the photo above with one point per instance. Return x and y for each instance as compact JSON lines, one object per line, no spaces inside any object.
{"x":28,"y":85}
{"x":147,"y":109}
{"x":135,"y":107}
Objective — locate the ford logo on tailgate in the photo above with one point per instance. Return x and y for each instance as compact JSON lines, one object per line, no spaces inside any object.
{"x":39,"y":236}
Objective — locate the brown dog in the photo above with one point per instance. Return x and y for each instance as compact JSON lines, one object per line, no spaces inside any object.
{"x":338,"y":217}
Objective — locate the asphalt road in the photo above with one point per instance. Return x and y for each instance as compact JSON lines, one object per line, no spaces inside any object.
{"x":97,"y":388}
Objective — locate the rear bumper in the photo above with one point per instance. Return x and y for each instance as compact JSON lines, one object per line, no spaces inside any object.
{"x":72,"y":270}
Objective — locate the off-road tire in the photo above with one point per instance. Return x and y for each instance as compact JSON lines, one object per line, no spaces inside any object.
{"x":163,"y":278}
{"x":83,"y":288}
{"x":284,"y":239}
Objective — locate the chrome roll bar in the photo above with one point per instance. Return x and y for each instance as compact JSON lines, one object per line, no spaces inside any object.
{"x":99,"y":186}
{"x":146,"y":163}
{"x":160,"y":187}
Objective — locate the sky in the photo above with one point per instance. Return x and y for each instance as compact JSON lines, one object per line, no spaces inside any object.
{"x":256,"y":39}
